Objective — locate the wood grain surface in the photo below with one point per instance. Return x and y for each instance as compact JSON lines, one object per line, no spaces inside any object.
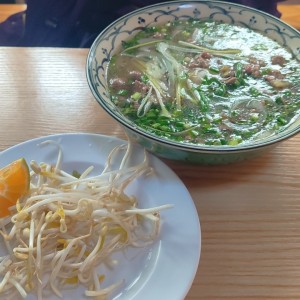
{"x":290,"y":11}
{"x":6,"y":10}
{"x":249,"y":211}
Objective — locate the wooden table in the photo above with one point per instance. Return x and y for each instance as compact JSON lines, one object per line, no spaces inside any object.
{"x":250,"y":211}
{"x":290,"y":13}
{"x":7,"y":10}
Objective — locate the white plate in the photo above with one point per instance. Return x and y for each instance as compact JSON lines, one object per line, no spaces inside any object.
{"x":166,"y":269}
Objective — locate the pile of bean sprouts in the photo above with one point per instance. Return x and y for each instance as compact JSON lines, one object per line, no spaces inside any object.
{"x":68,"y":226}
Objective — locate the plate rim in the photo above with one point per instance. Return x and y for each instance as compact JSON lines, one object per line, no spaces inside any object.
{"x":156,"y":160}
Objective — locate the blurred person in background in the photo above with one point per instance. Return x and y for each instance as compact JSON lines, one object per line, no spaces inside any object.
{"x":76,"y":23}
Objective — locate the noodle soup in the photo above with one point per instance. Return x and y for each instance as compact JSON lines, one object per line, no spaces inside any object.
{"x":205,"y":83}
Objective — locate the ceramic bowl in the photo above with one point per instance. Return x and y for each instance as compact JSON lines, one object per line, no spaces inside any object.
{"x":108,"y":43}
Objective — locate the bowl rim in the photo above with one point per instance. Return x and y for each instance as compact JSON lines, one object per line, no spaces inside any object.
{"x":244,"y":147}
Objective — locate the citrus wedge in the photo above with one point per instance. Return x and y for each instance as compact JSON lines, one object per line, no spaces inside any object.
{"x":14,"y":183}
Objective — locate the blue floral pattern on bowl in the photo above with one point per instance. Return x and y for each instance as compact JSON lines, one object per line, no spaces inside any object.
{"x":110,"y":40}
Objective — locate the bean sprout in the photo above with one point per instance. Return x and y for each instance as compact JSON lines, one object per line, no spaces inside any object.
{"x":67,"y":227}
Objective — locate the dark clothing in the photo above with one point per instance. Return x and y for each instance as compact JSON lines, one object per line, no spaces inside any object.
{"x":76,"y":23}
